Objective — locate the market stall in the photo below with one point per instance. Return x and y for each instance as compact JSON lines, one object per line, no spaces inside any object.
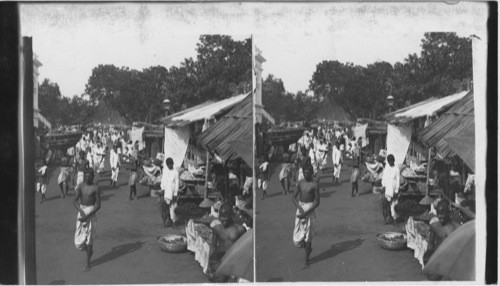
{"x":182,"y":143}
{"x":452,"y":137}
{"x":230,"y":141}
{"x":150,"y":137}
{"x":404,"y":144}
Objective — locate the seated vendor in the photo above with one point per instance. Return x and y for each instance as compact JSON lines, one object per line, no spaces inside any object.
{"x":441,"y":227}
{"x":228,"y":233}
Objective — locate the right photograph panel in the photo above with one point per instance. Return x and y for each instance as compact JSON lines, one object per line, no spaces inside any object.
{"x":365,"y":161}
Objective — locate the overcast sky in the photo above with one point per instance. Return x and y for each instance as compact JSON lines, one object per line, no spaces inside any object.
{"x":71,"y":39}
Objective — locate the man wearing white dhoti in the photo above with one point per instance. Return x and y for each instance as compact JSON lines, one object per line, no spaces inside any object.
{"x":337,"y":162}
{"x":90,"y":202}
{"x":308,"y":192}
{"x":114,"y":162}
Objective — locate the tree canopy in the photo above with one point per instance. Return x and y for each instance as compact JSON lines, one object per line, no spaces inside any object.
{"x":441,"y":69}
{"x":60,"y":110}
{"x":221,"y":65}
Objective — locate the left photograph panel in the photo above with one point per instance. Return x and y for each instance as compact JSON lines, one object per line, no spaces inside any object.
{"x":142,"y":146}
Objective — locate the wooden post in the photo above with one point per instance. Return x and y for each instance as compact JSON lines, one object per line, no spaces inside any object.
{"x":226,"y":180}
{"x":428,"y":170}
{"x":207,"y":174}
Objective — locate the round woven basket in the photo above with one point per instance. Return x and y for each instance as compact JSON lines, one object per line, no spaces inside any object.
{"x":176,"y":247}
{"x":396,"y":244}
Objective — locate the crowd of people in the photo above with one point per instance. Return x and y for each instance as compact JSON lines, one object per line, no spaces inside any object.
{"x":85,"y":161}
{"x":313,"y":148}
{"x":302,"y":161}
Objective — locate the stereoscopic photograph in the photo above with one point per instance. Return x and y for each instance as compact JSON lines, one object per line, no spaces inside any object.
{"x":254,"y":142}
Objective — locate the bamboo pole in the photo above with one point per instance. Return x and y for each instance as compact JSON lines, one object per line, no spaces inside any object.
{"x":427,"y":200}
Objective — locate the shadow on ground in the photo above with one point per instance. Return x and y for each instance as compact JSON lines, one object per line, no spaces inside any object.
{"x":326,"y":194}
{"x":336,"y":249}
{"x":118,"y":251}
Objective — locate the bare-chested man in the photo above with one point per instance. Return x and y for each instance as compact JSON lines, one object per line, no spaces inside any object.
{"x":441,"y":227}
{"x":308,"y":193}
{"x":228,"y":232}
{"x":90,"y":202}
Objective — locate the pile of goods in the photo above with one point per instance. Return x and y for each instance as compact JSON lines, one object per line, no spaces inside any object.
{"x":190,"y":210}
{"x":172,"y":243}
{"x":409,"y":208}
{"x":206,"y":219}
{"x":186,"y":176}
{"x":422,"y":228}
{"x":392,"y":240}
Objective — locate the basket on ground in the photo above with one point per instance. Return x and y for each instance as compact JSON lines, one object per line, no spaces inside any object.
{"x":172,"y":243}
{"x":392,"y":240}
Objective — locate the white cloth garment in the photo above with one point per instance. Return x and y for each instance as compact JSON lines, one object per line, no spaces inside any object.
{"x":85,"y":231}
{"x":390,"y":180}
{"x":314,"y":161}
{"x":90,"y":158}
{"x":336,"y":159}
{"x":114,"y":162}
{"x":170,"y":183}
{"x":321,"y":155}
{"x":360,"y":131}
{"x":398,"y":141}
{"x":304,"y":228}
{"x":176,"y":144}
{"x":114,"y":159}
{"x":99,"y":158}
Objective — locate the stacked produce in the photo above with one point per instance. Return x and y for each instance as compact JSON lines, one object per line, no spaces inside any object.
{"x":409,"y":208}
{"x":190,"y":210}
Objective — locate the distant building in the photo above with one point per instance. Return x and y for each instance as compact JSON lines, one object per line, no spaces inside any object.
{"x":259,"y":108}
{"x":37,"y":116}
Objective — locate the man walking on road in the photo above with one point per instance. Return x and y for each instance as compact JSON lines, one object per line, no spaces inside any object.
{"x":114,"y":161}
{"x":308,"y":193}
{"x":337,"y":162}
{"x":90,"y":202}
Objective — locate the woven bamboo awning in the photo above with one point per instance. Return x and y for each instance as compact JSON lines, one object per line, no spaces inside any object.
{"x":237,"y":125}
{"x":456,"y":122}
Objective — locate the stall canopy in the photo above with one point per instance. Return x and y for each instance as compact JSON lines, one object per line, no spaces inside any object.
{"x":232,"y":130}
{"x":456,"y":124}
{"x":425,"y":108}
{"x":202,"y":111}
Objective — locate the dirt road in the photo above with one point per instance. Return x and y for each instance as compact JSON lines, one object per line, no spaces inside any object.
{"x":125,"y":249}
{"x":345,"y":247}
